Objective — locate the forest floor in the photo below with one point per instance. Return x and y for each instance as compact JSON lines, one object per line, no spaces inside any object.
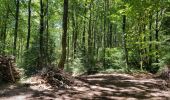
{"x":113,"y":86}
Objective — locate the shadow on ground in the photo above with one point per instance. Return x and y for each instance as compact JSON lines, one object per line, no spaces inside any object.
{"x":24,"y":92}
{"x":94,"y":87}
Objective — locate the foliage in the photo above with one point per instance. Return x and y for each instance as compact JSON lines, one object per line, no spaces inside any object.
{"x":31,"y":58}
{"x":102,"y":34}
{"x":114,"y":58}
{"x":75,"y":67}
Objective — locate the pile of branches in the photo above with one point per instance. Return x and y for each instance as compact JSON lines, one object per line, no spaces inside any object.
{"x":57,"y":78}
{"x":8,"y":71}
{"x":165,"y":73}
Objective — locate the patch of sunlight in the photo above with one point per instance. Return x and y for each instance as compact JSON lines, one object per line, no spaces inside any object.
{"x":126,"y":90}
{"x":136,"y":89}
{"x":41,"y":87}
{"x":141,"y":81}
{"x":125,"y":75}
{"x":120,"y":98}
{"x":97,"y":93}
{"x":95,"y":79}
{"x":160,"y":94}
{"x":92,"y":93}
{"x":81,"y":89}
{"x":21,"y":97}
{"x":113,"y":74}
{"x":12,"y":86}
{"x":102,"y":88}
{"x":64,"y":97}
{"x":111,"y":86}
{"x":143,"y":87}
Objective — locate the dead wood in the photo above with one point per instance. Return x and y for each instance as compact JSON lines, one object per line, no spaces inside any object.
{"x":8,"y":70}
{"x":56,"y":77}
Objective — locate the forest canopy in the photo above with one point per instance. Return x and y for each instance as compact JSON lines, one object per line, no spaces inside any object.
{"x":86,"y":35}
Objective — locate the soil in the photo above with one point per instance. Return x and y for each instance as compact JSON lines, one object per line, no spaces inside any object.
{"x":113,"y":86}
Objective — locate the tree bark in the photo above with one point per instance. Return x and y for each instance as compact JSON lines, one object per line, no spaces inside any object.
{"x":5,"y":31}
{"x":84,"y":34}
{"x":124,"y":39}
{"x":41,"y":33}
{"x":115,"y":36}
{"x":29,"y":24}
{"x":90,"y":40}
{"x":64,"y":36}
{"x":16,"y":27}
{"x":104,"y":37}
{"x":150,"y":39}
{"x":47,"y":34}
{"x":156,"y":35}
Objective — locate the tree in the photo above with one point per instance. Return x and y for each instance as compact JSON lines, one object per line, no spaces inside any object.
{"x":29,"y":24}
{"x":97,"y":34}
{"x":41,"y":34}
{"x":64,"y":36}
{"x":16,"y":27}
{"x":124,"y":39}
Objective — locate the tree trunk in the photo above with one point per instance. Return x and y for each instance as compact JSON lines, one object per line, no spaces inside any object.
{"x":41,"y":32}
{"x":47,"y":34}
{"x":84,"y":34}
{"x":150,"y":39}
{"x":75,"y":35}
{"x":90,"y":40}
{"x":115,"y":36}
{"x":5,"y":31}
{"x":104,"y":37}
{"x":29,"y":24}
{"x":16,"y":27}
{"x":74,"y":31}
{"x":156,"y":35}
{"x":124,"y":39}
{"x":111,"y":35}
{"x":64,"y":36}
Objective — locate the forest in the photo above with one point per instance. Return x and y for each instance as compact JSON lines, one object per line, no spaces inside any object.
{"x":84,"y":49}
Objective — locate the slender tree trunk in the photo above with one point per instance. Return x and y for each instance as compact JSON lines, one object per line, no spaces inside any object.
{"x":156,"y":35}
{"x":41,"y":32}
{"x":115,"y":36}
{"x":29,"y":24}
{"x":47,"y":34}
{"x":90,"y":41}
{"x":68,"y":47}
{"x":124,"y":39}
{"x":95,"y":37}
{"x":145,"y":57}
{"x":111,"y":35}
{"x":73,"y":32}
{"x":75,"y":35}
{"x":84,"y":34}
{"x":150,"y":39}
{"x":16,"y":27}
{"x":5,"y":31}
{"x":140,"y":48}
{"x":64,"y":36}
{"x":104,"y":37}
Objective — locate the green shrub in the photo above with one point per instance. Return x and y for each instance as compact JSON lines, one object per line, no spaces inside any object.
{"x":30,"y":61}
{"x":76,"y":67}
{"x":114,"y":58}
{"x":166,"y":59}
{"x":31,"y":57}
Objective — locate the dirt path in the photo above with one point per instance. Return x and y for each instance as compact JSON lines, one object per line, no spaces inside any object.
{"x":93,"y":87}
